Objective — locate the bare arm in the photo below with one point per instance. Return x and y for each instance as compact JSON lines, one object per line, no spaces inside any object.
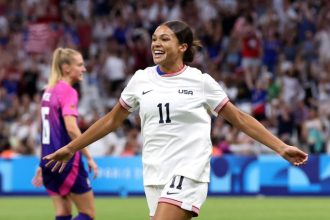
{"x":99,"y":129}
{"x":74,"y":132}
{"x":251,"y":127}
{"x":257,"y":131}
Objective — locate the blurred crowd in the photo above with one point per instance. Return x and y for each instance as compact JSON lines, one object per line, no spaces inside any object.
{"x":271,"y":57}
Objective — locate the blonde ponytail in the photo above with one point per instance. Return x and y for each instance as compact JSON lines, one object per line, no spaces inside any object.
{"x":60,"y":56}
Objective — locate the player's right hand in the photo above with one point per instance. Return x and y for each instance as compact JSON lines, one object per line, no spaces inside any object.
{"x":61,"y":157}
{"x":37,"y":179}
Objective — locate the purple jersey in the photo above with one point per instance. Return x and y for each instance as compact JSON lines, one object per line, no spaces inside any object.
{"x":57,"y":102}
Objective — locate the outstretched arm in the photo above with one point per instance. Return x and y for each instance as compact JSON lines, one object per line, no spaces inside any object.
{"x":257,"y":131}
{"x":74,"y":132}
{"x":99,"y":129}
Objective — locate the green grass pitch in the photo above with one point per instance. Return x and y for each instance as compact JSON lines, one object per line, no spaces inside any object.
{"x":215,"y":208}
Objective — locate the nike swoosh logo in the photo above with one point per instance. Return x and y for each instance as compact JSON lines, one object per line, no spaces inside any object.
{"x":145,"y":92}
{"x":171,"y":193}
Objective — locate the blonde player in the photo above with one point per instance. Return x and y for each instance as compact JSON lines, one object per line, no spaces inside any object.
{"x":173,"y":101}
{"x":59,"y":126}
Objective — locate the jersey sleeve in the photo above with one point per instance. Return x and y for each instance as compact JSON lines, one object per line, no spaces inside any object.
{"x":128,"y":98}
{"x":214,"y":95}
{"x":68,"y":99}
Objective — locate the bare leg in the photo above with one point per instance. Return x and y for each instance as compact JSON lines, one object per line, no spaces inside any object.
{"x":248,"y":78}
{"x":62,"y":205}
{"x":84,"y":203}
{"x":167,"y":211}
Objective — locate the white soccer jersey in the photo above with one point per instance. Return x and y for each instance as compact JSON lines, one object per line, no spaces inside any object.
{"x":175,"y":121}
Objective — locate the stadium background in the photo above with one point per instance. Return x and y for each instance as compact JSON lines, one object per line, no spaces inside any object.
{"x":289,"y":91}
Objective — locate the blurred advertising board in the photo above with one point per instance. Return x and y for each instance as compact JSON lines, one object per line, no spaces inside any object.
{"x":230,"y":175}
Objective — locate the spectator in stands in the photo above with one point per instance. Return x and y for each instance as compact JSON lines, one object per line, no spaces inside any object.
{"x":132,"y":145}
{"x":138,"y":45}
{"x":285,"y":122}
{"x":313,"y":132}
{"x":251,"y":51}
{"x":271,"y":49}
{"x":114,"y":68}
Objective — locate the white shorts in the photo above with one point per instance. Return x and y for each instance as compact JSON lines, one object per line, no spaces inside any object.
{"x":180,"y":191}
{"x":250,"y":62}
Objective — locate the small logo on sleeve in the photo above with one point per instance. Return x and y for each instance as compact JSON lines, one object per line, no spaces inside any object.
{"x":46,"y":97}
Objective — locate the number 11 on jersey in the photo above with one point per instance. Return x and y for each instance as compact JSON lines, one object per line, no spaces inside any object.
{"x":167,"y":108}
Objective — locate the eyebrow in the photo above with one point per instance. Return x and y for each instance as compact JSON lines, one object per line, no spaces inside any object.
{"x":162,"y":35}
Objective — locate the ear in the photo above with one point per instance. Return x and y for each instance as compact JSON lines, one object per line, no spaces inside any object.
{"x":183,"y":47}
{"x":66,"y":68}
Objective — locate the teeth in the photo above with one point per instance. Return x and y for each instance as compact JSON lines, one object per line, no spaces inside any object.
{"x":158,"y":52}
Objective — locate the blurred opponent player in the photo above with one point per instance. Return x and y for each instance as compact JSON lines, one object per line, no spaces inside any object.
{"x":59,"y":126}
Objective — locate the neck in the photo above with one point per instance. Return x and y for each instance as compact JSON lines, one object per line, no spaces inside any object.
{"x":172,"y":69}
{"x":67,"y":80}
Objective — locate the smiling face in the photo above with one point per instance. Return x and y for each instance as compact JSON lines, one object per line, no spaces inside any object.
{"x":166,"y":50}
{"x":74,"y":71}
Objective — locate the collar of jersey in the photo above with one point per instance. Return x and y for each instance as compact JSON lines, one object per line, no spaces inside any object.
{"x":161,"y":73}
{"x":63,"y":82}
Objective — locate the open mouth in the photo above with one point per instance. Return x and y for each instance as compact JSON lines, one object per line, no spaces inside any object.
{"x":158,"y":53}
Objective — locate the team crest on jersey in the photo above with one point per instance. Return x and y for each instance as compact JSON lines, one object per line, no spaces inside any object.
{"x":186,"y":92}
{"x":46,"y":96}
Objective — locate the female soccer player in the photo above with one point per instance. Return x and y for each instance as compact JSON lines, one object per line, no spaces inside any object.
{"x":59,"y":127}
{"x":174,"y":100}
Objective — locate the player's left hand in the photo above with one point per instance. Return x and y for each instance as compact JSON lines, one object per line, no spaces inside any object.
{"x":61,"y":157}
{"x":294,"y":155}
{"x":92,"y":166}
